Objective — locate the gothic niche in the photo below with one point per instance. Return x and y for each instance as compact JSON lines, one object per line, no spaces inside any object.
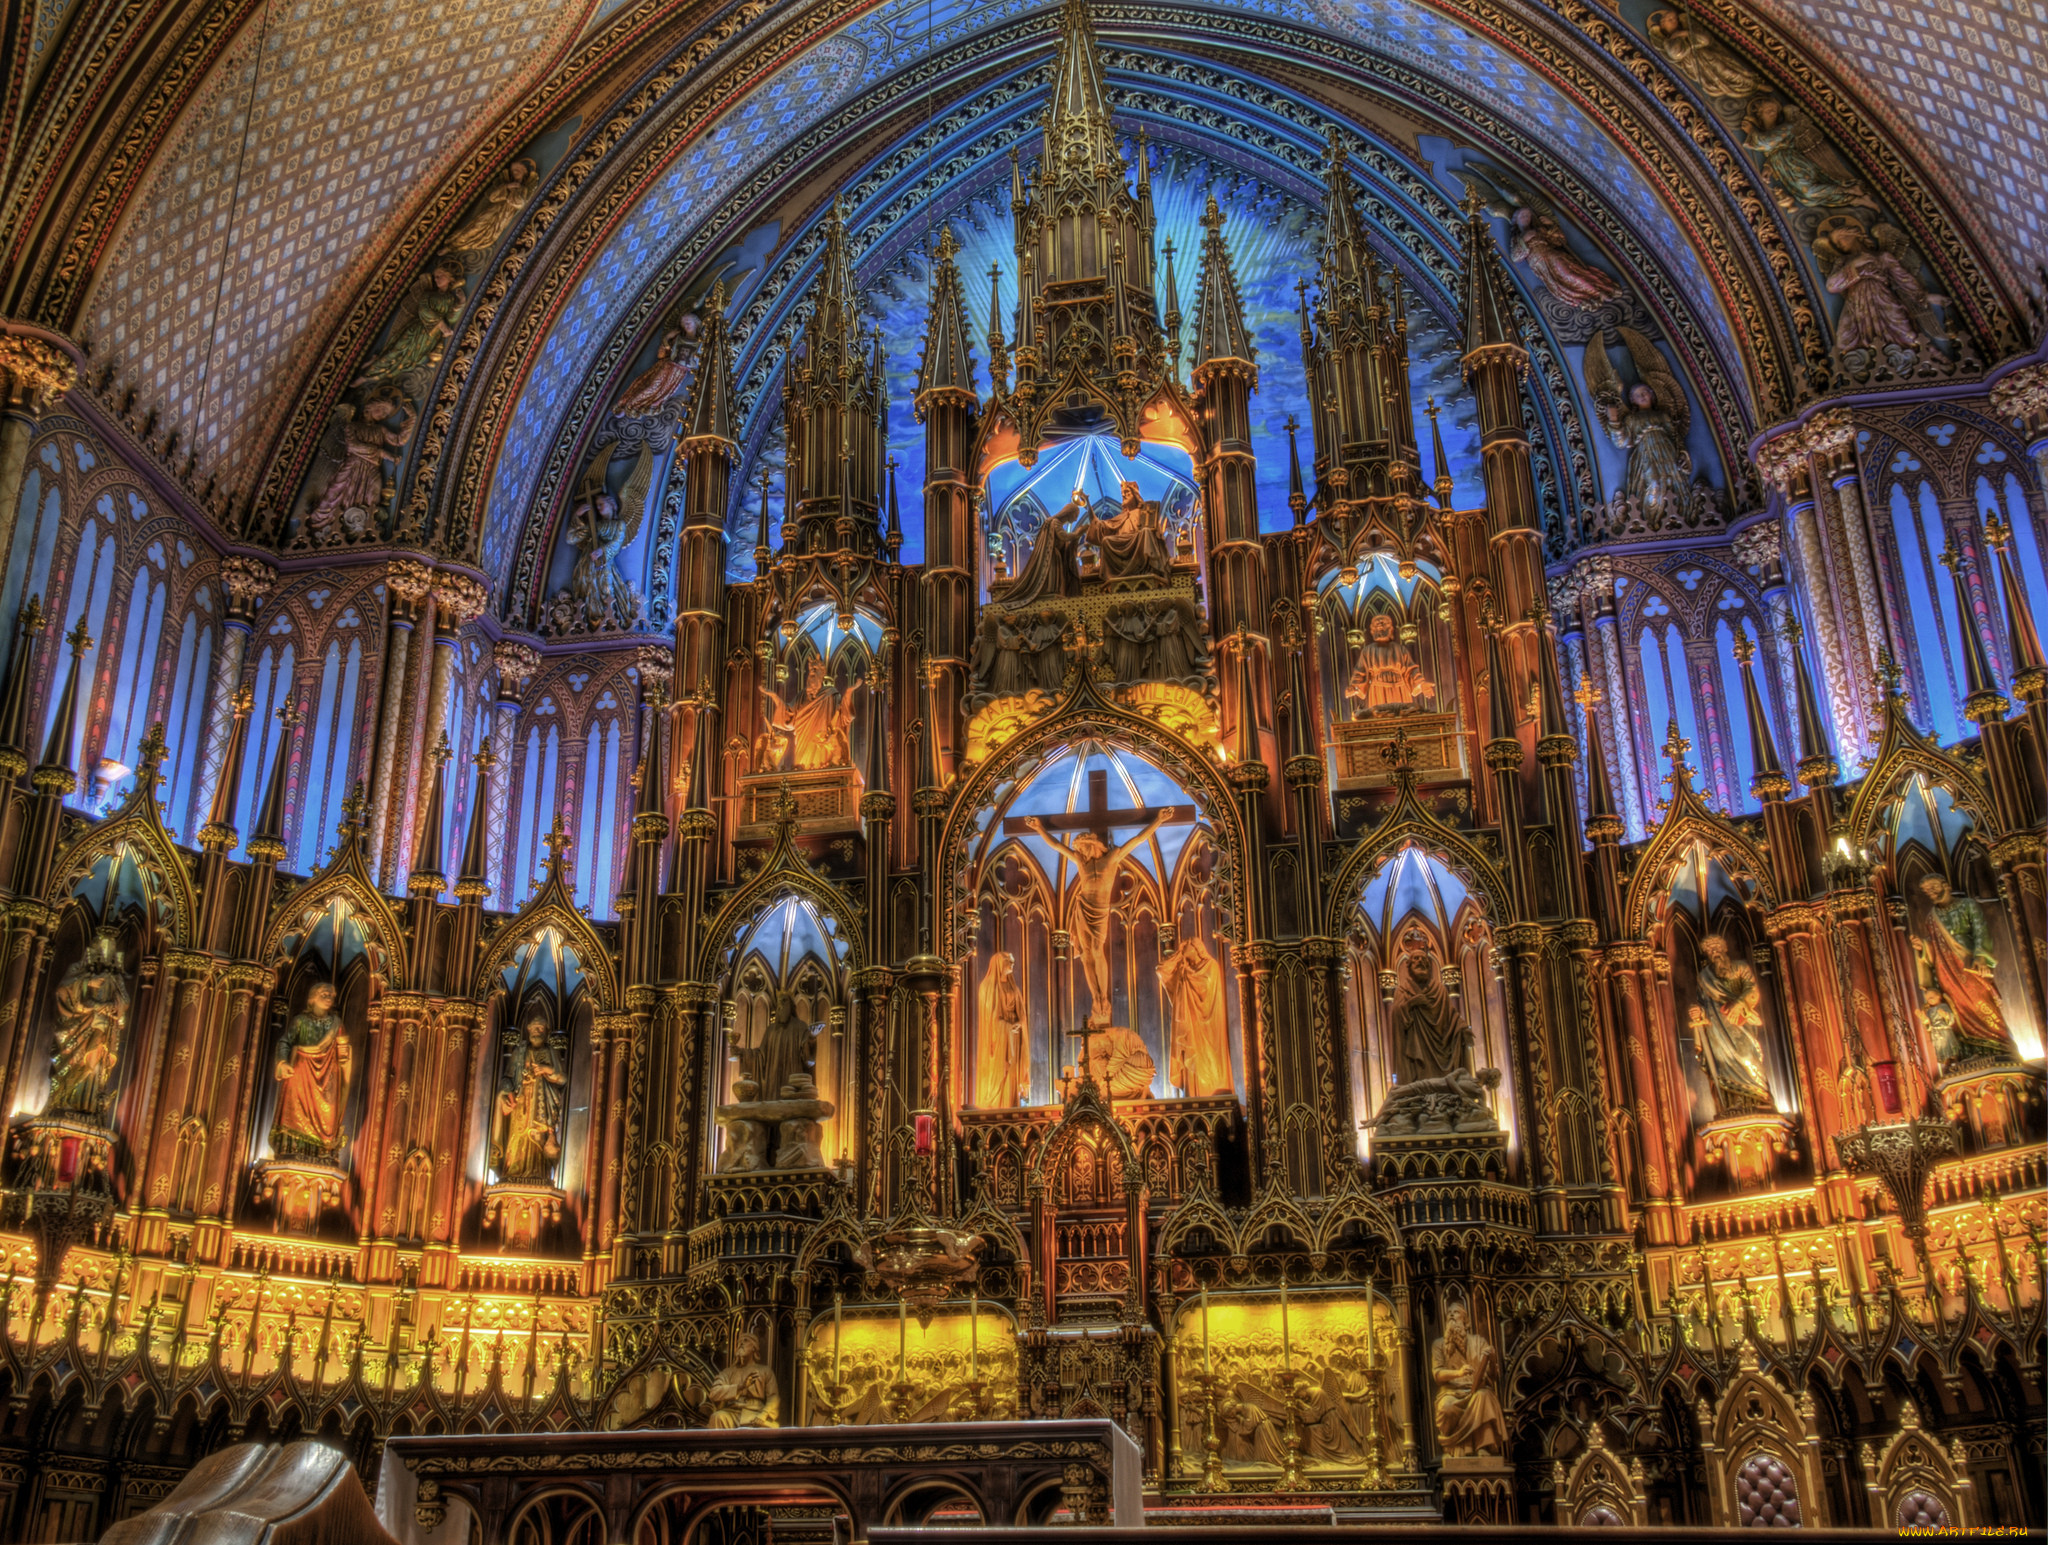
{"x":1731,"y":1067}
{"x":783,"y":1080}
{"x":537,"y":1123}
{"x":75,"y":1079}
{"x":1092,"y":560}
{"x":1973,"y":1029}
{"x":1385,"y":665}
{"x":1095,"y":918}
{"x":311,"y":1097}
{"x":814,"y":716}
{"x":1427,"y":1016}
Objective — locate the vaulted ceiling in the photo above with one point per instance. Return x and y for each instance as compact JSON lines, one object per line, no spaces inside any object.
{"x":235,"y":201}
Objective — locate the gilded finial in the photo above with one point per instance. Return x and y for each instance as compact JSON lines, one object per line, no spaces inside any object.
{"x":78,"y":638}
{"x":1745,"y":647}
{"x":1890,"y":674}
{"x":1588,"y":696}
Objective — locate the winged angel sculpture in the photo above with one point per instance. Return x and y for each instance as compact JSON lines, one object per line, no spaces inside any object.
{"x":598,"y":598}
{"x":1648,"y":420}
{"x":1887,"y":313}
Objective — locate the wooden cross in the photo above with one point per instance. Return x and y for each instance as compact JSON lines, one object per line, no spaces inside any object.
{"x":1098,"y":817}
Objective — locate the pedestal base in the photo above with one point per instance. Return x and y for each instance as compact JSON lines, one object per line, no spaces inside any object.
{"x":521,"y":1212}
{"x":300,"y":1189}
{"x":1478,"y":1489}
{"x":1997,"y":1104}
{"x":1748,"y":1147}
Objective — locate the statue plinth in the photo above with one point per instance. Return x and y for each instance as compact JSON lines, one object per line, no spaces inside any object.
{"x":62,"y":1166}
{"x":781,"y":1134}
{"x":1992,"y":1101}
{"x":521,"y":1209}
{"x":1434,"y":750}
{"x":1478,"y":1489}
{"x":827,"y":799}
{"x":299,"y":1189}
{"x":1748,"y":1145}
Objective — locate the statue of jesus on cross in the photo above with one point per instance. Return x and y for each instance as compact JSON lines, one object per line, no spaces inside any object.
{"x":1097,"y":866}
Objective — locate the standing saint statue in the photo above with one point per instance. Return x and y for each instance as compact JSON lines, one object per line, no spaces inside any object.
{"x":314,"y":1060}
{"x":1956,"y":960}
{"x":1131,"y":543}
{"x":92,"y":1002}
{"x":785,"y":1051}
{"x":528,"y":1139}
{"x":1052,"y":571}
{"x":1097,"y":866}
{"x":1002,"y":1071}
{"x":1198,"y":1058}
{"x":746,"y":1394}
{"x":1727,"y":1026}
{"x":1462,"y":1365}
{"x":1385,"y":679}
{"x":1429,"y":1038}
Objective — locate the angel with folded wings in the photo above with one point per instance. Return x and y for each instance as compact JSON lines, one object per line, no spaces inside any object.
{"x":1648,"y":420}
{"x":358,"y":442}
{"x":1804,"y":170}
{"x":599,"y":598}
{"x":1875,"y":270}
{"x":1538,"y":240}
{"x":421,"y":331}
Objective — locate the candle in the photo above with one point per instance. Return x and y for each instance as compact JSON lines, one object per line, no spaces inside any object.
{"x":973,"y":1335}
{"x":924,"y":1131}
{"x":1371,"y":1345}
{"x":1208,"y":1368}
{"x":1286,"y":1345}
{"x":902,"y":1339}
{"x":838,"y":1317}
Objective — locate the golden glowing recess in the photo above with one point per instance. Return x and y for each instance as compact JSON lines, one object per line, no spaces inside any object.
{"x":864,"y":1370}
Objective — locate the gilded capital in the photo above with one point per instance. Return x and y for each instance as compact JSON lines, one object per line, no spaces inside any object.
{"x":37,"y":371}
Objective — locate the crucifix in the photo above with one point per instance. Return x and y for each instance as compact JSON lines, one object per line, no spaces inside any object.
{"x":1097,"y":866}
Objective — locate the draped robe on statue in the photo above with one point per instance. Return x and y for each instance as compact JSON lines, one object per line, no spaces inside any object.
{"x":1730,"y":1031}
{"x":784,"y":1051}
{"x":1427,"y":1033}
{"x":1956,"y":959}
{"x":1130,"y":542}
{"x":1002,"y":1073}
{"x":1198,"y":1063}
{"x":1051,"y":572}
{"x":311,"y":1105}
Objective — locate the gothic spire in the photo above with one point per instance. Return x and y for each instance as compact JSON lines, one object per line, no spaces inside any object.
{"x":1984,"y":699}
{"x":948,"y":364}
{"x":1488,"y":323}
{"x":1297,"y":497}
{"x":1600,"y":812}
{"x":2019,"y":615}
{"x":55,"y":773}
{"x":892,"y":539}
{"x":1767,"y":780}
{"x":268,"y":840}
{"x":1817,"y":766}
{"x":1079,"y":133}
{"x":426,"y":862}
{"x":710,"y":414}
{"x":14,"y":741}
{"x":1220,"y":333}
{"x":1169,"y":298}
{"x":1551,"y":723}
{"x":1345,"y":255}
{"x":475,"y":880}
{"x":1444,"y":485}
{"x":998,"y":355}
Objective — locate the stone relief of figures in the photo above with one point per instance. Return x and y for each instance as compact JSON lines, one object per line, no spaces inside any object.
{"x":92,"y":1001}
{"x":1648,"y":420}
{"x":526,"y":1135}
{"x":598,"y":598}
{"x":478,"y":236}
{"x":1385,"y":677}
{"x":313,"y":1062}
{"x":1020,"y":652}
{"x":1726,"y":1024}
{"x":814,"y":732}
{"x":1462,"y":1367}
{"x":1344,"y":1374}
{"x":359,"y":442}
{"x":1957,"y":969}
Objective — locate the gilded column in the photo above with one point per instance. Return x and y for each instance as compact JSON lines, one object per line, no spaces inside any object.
{"x":181,"y":1084}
